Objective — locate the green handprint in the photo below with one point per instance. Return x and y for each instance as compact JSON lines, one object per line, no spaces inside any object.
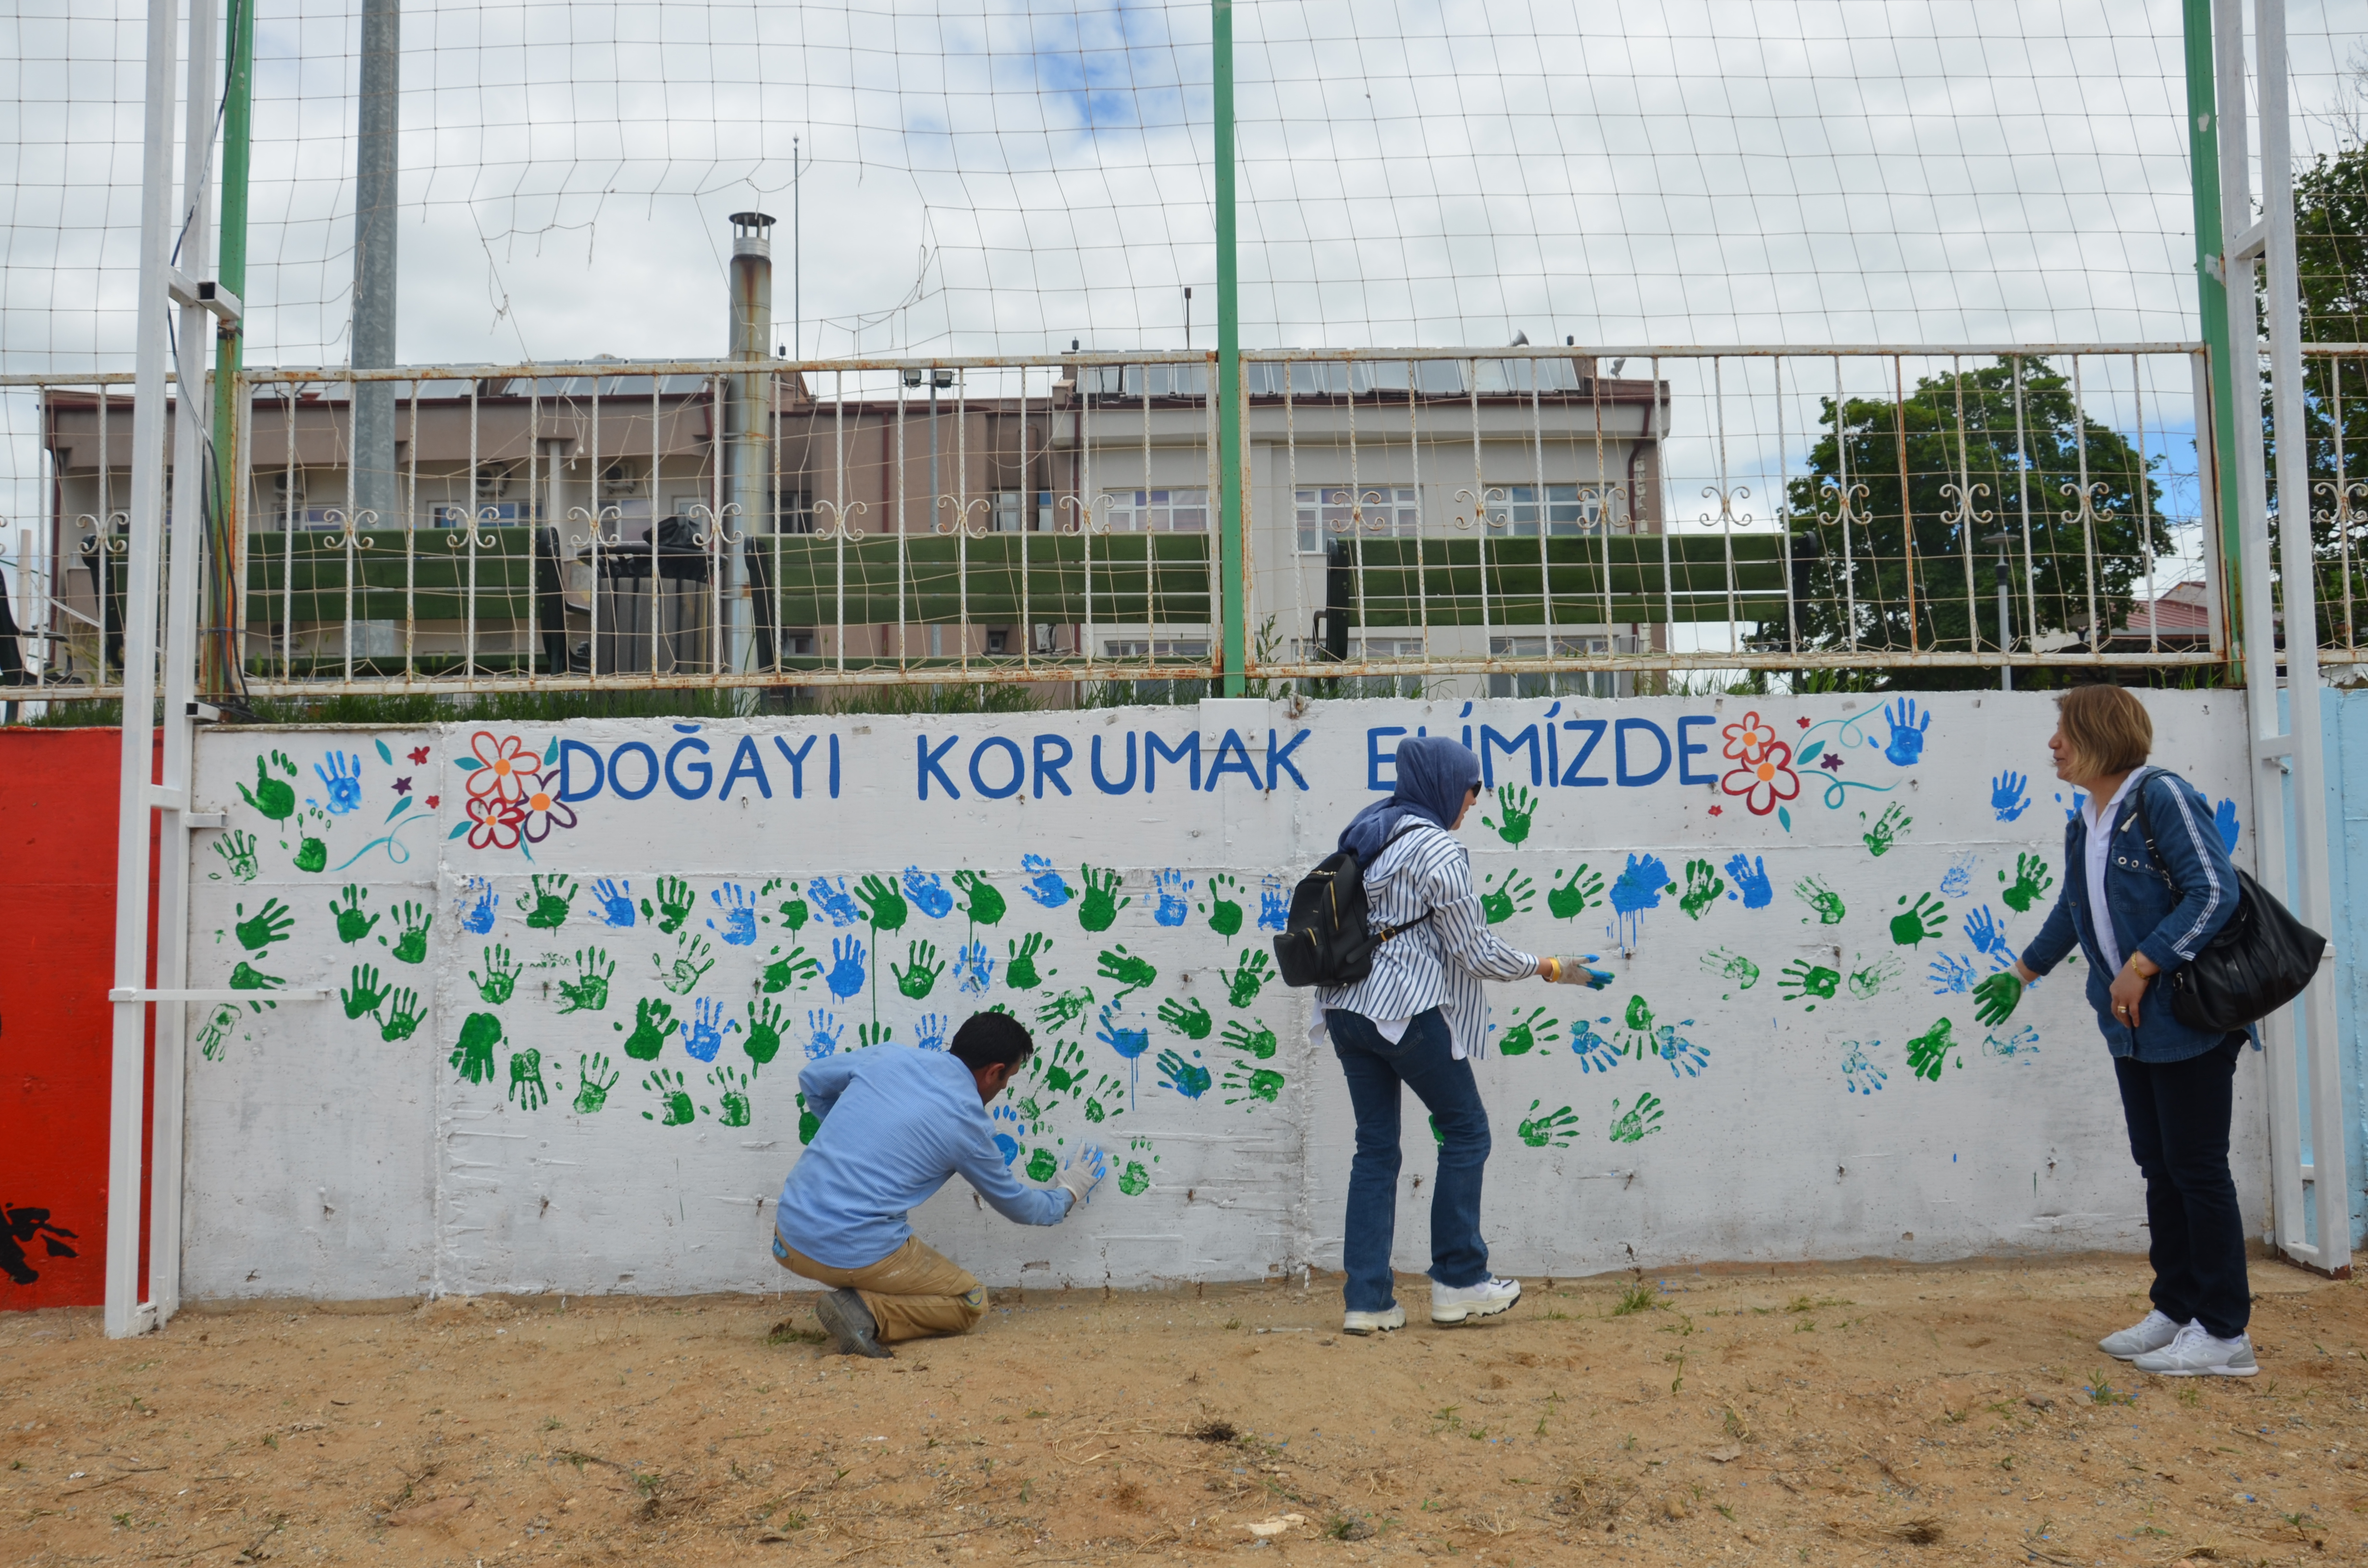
{"x":501,"y":976}
{"x":238,"y":854}
{"x":272,"y":797}
{"x":269,"y":924}
{"x":1927,"y":1053}
{"x":479,"y":1033}
{"x":1519,"y":806}
{"x":554,"y":897}
{"x":1733,"y":967}
{"x":653,"y":1020}
{"x":1703,"y":886}
{"x":794,"y":911}
{"x":1632,"y":1124}
{"x":1106,"y":1089}
{"x":402,"y":1016}
{"x":920,"y":974}
{"x":1134,"y":1181}
{"x":884,"y":902}
{"x":1556,"y":1127}
{"x":732,"y":1093}
{"x":1528,"y":1032}
{"x":1996,"y":998}
{"x":676,"y":900}
{"x":1063,"y":1068}
{"x":691,"y":961}
{"x":1065,"y":1009}
{"x":1097,"y":910}
{"x":1864,"y":983}
{"x":1020,"y":972}
{"x":1636,"y":1038}
{"x":1192,"y":1020}
{"x":763,"y":1040}
{"x":526,"y":1079}
{"x":1565,"y":901}
{"x":808,"y":1122}
{"x":1043,"y":1165}
{"x":874,"y":1034}
{"x":312,"y":850}
{"x":1259,"y":1042}
{"x":213,"y":1035}
{"x":2032,"y":880}
{"x":789,"y":970}
{"x":352,"y":926}
{"x":1132,"y":973}
{"x":363,"y":993}
{"x":589,"y":991}
{"x":675,"y":1108}
{"x":591,"y":1089}
{"x":1888,"y":828}
{"x":1243,"y":985}
{"x":1258,"y":1085}
{"x":1802,"y":979}
{"x":1224,"y":912}
{"x":981,"y":902}
{"x":244,"y":977}
{"x":1924,"y":919}
{"x":411,"y":942}
{"x":1501,"y":903}
{"x":1823,"y":900}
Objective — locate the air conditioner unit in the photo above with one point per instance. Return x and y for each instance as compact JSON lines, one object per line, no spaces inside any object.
{"x":493,"y":482}
{"x":615,"y":480}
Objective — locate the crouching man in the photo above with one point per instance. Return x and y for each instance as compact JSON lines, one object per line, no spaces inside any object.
{"x":897,"y":1124}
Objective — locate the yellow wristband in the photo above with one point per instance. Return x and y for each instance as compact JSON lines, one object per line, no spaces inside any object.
{"x":1553,"y":971}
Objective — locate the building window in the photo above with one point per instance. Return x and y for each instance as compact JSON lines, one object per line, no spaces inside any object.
{"x":1013,"y":512}
{"x":1559,"y":683}
{"x":1191,"y":379}
{"x":1159,"y":511}
{"x":1367,"y":511}
{"x":1161,"y":648}
{"x":1568,"y":509}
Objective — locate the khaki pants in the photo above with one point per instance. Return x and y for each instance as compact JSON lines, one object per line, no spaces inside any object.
{"x":913,"y":1292}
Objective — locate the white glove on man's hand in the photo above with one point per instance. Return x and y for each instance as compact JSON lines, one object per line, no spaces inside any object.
{"x":1085,"y":1174}
{"x":1574,"y":971}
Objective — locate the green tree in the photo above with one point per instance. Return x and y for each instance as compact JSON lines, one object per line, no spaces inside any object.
{"x":2331,"y":266}
{"x":1917,"y":576}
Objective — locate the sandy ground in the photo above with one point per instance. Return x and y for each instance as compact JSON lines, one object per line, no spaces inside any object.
{"x":1858,"y":1413}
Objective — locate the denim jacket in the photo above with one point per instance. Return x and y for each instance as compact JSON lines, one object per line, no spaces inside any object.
{"x":2167,"y":911}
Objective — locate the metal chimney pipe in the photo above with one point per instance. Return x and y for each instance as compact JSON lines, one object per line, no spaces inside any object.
{"x":747,"y":472}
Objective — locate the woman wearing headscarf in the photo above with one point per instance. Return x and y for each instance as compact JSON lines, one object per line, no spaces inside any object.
{"x":1417,"y":1020}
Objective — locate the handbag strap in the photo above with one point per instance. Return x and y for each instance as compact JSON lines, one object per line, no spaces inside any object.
{"x":2146,"y":828}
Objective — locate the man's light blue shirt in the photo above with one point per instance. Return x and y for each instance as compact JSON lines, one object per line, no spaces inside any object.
{"x":896,"y":1125}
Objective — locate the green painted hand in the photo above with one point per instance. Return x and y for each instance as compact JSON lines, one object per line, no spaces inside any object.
{"x":411,"y":942}
{"x":1134,"y":1181}
{"x":1732,"y":966}
{"x":213,"y":1035}
{"x":1097,"y":910}
{"x":1994,"y":999}
{"x":1565,"y":901}
{"x":1527,"y":1033}
{"x":981,"y":902}
{"x":479,"y":1033}
{"x":1224,"y":912}
{"x":1914,"y":923}
{"x":1635,"y":1036}
{"x":1866,"y":983}
{"x":884,"y":902}
{"x":653,"y":1020}
{"x":1131,"y":972}
{"x":1927,"y":1053}
{"x":1259,"y":1042}
{"x":591,"y":1088}
{"x":763,"y":1039}
{"x":1823,"y":901}
{"x":2032,"y":880}
{"x":275,"y":798}
{"x":1802,"y":980}
{"x":808,"y":1122}
{"x":554,"y":897}
{"x":1518,"y":806}
{"x":1501,"y":903}
{"x":693,"y":957}
{"x":352,"y":923}
{"x":588,"y":991}
{"x":676,"y":900}
{"x":1043,"y":1165}
{"x":732,"y":1093}
{"x":311,"y":850}
{"x":1243,"y":985}
{"x":1888,"y":828}
{"x":920,"y":974}
{"x":1252,"y":1087}
{"x":1107,"y":1099}
{"x":874,"y":1034}
{"x":789,"y":970}
{"x":402,"y":1016}
{"x":500,"y":977}
{"x":244,"y":978}
{"x":675,"y":1107}
{"x":1065,"y":1009}
{"x":1061,"y":1069}
{"x":526,"y":1079}
{"x":267,"y":924}
{"x":1633,"y":1125}
{"x":794,"y":911}
{"x":1020,"y":972}
{"x":1191,"y":1020}
{"x":238,"y":855}
{"x":363,"y":993}
{"x":1554,"y":1128}
{"x":1703,"y":886}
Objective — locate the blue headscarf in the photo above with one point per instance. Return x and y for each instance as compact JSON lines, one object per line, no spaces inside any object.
{"x":1434,"y":775}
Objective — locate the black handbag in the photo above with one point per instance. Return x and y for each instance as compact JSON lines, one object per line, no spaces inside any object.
{"x":2254,"y":965}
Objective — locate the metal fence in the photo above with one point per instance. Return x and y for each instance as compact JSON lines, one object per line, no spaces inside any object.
{"x":1516,"y":520}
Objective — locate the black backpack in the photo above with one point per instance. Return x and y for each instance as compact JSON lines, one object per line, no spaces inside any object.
{"x":1325,"y":939}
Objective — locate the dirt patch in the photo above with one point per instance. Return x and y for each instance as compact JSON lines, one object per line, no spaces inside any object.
{"x":1866,"y":1414}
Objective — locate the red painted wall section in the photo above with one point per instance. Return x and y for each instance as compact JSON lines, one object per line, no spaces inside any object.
{"x":58,"y":790}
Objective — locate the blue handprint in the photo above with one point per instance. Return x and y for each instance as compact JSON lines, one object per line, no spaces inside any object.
{"x":927,"y":892}
{"x":1989,"y":937}
{"x":1129,"y":1044}
{"x":1682,"y":1054}
{"x":973,"y":968}
{"x":1954,"y":974}
{"x":1750,"y":875}
{"x":823,"y":1029}
{"x":1008,"y":1125}
{"x":1595,"y":1053}
{"x":704,"y":1039}
{"x":831,"y":894}
{"x":2224,"y":819}
{"x":343,"y":781}
{"x":1173,"y":888}
{"x":1906,"y":733}
{"x":1861,"y":1075}
{"x":845,"y":976}
{"x":1044,"y":883}
{"x":478,"y":903}
{"x":933,"y":1031}
{"x":739,"y":912}
{"x":614,"y":900}
{"x":1958,"y":880}
{"x":2007,"y":797}
{"x":1639,"y":887}
{"x":1275,"y":904}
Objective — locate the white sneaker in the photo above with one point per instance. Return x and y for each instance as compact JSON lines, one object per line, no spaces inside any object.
{"x":1459,"y":1303}
{"x":2158,"y":1329}
{"x":2196,"y":1354}
{"x":1373,"y":1323}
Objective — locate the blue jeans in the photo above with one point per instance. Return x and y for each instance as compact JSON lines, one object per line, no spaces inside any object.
{"x":1424,"y":1060}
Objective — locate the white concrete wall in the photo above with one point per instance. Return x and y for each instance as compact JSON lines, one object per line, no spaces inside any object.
{"x":329,"y":1159}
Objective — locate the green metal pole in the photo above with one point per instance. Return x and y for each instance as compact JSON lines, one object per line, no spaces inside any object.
{"x":219,"y":647}
{"x":2211,"y":300}
{"x":1233,"y":562}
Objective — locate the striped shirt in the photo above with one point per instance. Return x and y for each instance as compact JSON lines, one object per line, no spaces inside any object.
{"x":1438,"y":963}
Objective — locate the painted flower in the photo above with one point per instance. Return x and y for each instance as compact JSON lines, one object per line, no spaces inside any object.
{"x":1831,"y":762}
{"x":494,"y":824}
{"x":1749,"y":741}
{"x":1718,"y":810}
{"x":1763,"y":783}
{"x":419,"y":756}
{"x":542,"y":810}
{"x":504,"y":768}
